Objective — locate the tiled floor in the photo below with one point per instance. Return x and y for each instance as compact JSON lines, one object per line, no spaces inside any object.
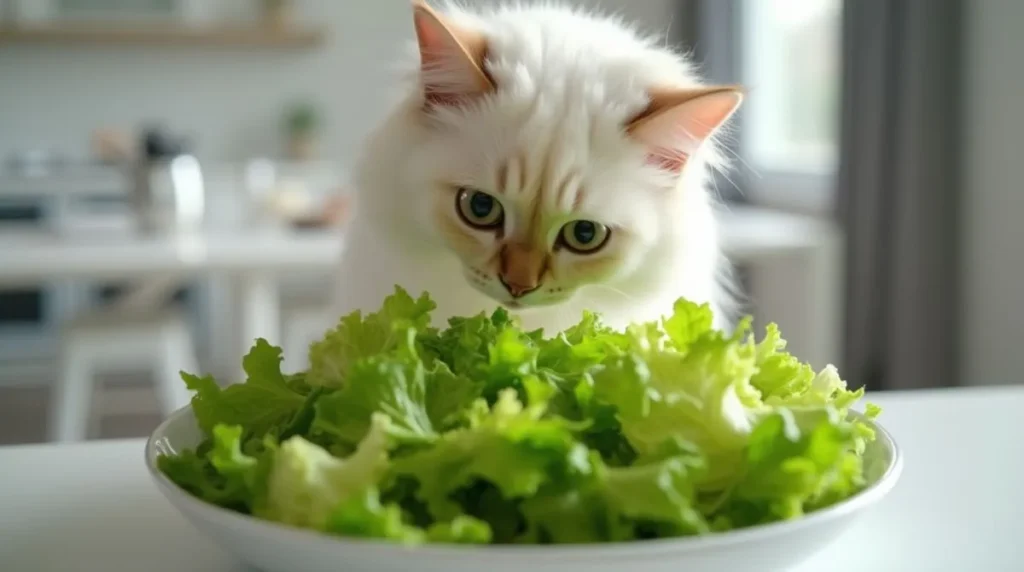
{"x":23,"y":415}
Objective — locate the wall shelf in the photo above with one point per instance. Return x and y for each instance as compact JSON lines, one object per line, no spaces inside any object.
{"x":161,"y":35}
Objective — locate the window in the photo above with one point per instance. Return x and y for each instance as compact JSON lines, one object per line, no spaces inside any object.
{"x":790,"y":62}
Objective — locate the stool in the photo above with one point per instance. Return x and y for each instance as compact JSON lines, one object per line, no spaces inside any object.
{"x":94,"y":342}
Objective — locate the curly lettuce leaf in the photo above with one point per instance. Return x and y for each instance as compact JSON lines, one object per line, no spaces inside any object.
{"x":780,"y":376}
{"x":356,"y":337}
{"x":491,"y":349}
{"x":418,"y":400}
{"x":603,"y":430}
{"x":702,"y":396}
{"x":688,"y":323}
{"x":683,"y":380}
{"x":194,"y":473}
{"x":460,"y":530}
{"x":465,"y":344}
{"x":219,"y":472}
{"x":267,"y":401}
{"x":448,"y":396}
{"x":611,"y":504}
{"x":795,"y":462}
{"x":508,"y":445}
{"x":236,"y":467}
{"x":362,"y":515}
{"x":784,"y":380}
{"x":306,"y":484}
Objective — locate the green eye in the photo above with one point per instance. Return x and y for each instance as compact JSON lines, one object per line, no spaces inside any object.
{"x":479,"y":210}
{"x":584,"y":236}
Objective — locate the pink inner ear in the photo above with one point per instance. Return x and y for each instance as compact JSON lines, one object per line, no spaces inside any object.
{"x":450,"y":59}
{"x":667,"y":159}
{"x":675,"y":131}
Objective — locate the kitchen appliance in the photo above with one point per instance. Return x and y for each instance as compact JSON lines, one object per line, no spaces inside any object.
{"x":168,"y":193}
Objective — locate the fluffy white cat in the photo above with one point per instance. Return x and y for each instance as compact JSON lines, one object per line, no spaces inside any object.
{"x":546,"y":160}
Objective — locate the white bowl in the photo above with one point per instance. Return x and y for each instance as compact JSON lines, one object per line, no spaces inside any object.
{"x":275,"y":548}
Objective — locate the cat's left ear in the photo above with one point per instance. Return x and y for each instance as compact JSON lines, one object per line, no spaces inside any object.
{"x":677,"y":121}
{"x":451,"y":58}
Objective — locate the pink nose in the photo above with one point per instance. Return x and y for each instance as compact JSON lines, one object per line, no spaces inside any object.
{"x":517,"y":290}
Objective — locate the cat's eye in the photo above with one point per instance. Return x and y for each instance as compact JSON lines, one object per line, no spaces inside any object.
{"x":478,"y":209}
{"x":584,"y":236}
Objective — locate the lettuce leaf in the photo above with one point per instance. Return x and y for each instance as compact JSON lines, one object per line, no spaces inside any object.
{"x":356,"y":337}
{"x":702,"y":396}
{"x":610,"y":505}
{"x":220,"y":473}
{"x":361,"y":515}
{"x":265,"y":402}
{"x":398,"y":384}
{"x":795,"y":462}
{"x":508,"y":445}
{"x":306,"y":484}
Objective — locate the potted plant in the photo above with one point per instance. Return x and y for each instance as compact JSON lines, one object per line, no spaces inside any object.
{"x":277,"y":13}
{"x":301,"y":123}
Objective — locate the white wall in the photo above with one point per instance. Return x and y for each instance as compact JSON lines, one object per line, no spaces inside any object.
{"x":994,"y":203}
{"x":230,"y":101}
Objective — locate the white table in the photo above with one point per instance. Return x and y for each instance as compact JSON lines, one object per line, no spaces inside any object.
{"x":91,"y":507}
{"x":796,"y":263}
{"x":252,"y":260}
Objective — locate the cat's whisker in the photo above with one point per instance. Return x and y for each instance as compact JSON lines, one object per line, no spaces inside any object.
{"x":730,"y":181}
{"x":614,"y":291}
{"x":735,"y":155}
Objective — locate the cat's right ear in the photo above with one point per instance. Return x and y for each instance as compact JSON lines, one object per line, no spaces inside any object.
{"x":451,"y":59}
{"x":677,"y":121}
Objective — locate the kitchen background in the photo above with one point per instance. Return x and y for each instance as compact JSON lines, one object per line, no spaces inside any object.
{"x":237,"y":119}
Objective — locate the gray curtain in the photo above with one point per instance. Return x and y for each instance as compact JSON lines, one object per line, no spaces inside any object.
{"x":898,"y":190}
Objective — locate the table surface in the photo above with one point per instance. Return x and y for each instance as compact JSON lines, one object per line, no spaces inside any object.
{"x":29,"y":256}
{"x":92,"y":507}
{"x":32,"y":255}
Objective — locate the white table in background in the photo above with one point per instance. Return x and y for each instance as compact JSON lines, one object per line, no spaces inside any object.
{"x":92,"y":508}
{"x":795,"y":260}
{"x":252,"y":260}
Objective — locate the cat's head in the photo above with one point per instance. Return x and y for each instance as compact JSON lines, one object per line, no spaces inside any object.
{"x":550,"y":172}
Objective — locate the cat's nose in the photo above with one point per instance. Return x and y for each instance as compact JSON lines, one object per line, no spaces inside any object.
{"x":522,"y":266}
{"x":517,"y":290}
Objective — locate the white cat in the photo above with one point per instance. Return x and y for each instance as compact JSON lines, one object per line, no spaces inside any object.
{"x":546,"y":160}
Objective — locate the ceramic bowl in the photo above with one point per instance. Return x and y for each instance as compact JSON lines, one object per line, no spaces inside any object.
{"x":275,"y":548}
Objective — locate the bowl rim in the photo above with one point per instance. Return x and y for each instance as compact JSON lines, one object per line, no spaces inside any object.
{"x":639,"y":549}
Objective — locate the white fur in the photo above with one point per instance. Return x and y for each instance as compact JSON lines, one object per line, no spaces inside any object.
{"x":566,"y":84}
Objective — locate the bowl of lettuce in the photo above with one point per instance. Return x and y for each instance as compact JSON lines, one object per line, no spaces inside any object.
{"x":670,"y":445}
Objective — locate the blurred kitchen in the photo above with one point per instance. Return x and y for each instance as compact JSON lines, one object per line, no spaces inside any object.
{"x":173,"y":184}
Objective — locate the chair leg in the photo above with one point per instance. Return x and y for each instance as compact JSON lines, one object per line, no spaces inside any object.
{"x":178,"y":355}
{"x":72,"y":397}
{"x":95,"y":423}
{"x":294,"y":351}
{"x":301,"y":330}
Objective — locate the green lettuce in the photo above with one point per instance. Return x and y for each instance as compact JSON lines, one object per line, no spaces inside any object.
{"x":507,"y":445}
{"x":306,"y":483}
{"x":357,"y":337}
{"x":267,"y":401}
{"x":482,"y":432}
{"x":414,"y":396}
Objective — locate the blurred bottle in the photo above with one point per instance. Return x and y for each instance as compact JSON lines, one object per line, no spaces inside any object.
{"x":168,"y":193}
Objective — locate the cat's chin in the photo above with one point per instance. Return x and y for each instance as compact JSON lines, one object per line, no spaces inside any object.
{"x":528,"y":304}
